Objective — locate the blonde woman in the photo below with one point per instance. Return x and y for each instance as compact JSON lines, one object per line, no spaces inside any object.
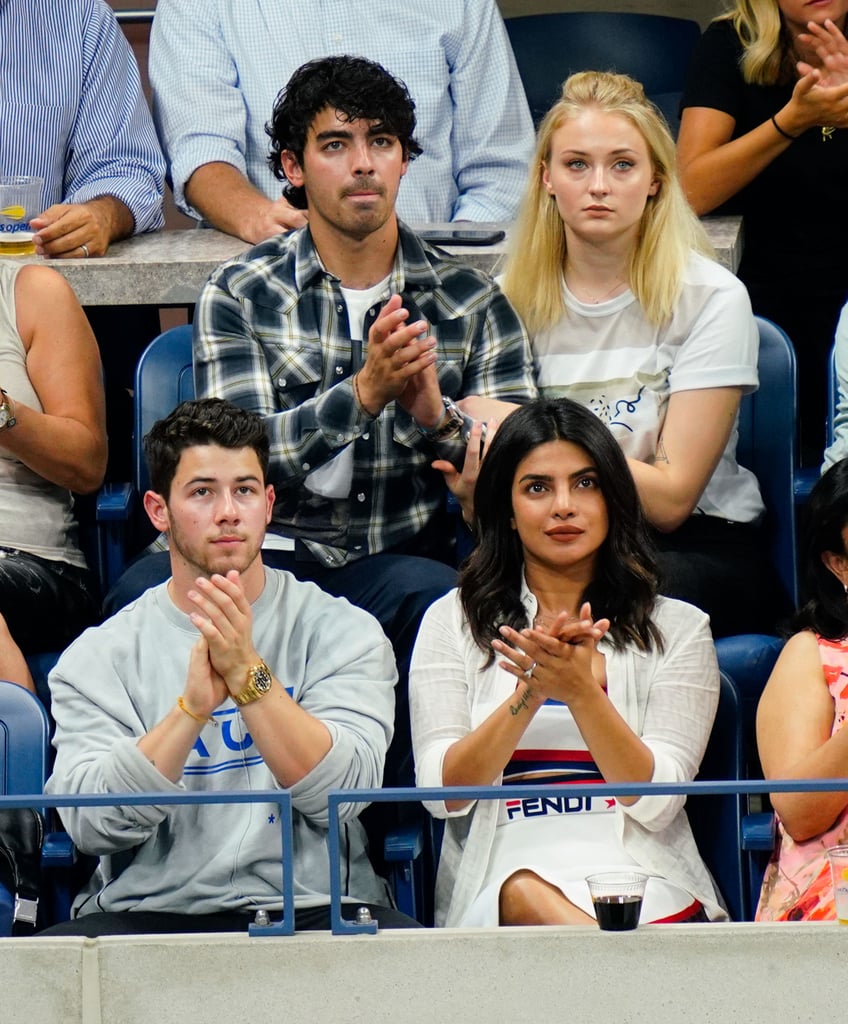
{"x":629,"y":316}
{"x":763,"y":131}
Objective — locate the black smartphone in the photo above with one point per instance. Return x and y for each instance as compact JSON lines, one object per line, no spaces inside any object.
{"x":462,"y":236}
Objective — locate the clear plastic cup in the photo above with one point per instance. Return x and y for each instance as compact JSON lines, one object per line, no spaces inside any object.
{"x":838,"y":857}
{"x":617,"y":898}
{"x":20,"y":201}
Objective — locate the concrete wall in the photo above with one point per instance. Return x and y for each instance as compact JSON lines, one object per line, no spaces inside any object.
{"x":658,"y":975}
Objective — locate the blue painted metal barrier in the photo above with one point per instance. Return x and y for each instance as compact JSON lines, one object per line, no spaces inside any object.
{"x":280,"y":797}
{"x":337,"y":797}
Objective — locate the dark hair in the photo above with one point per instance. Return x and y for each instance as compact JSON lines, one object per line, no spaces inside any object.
{"x":625,"y":583}
{"x":358,"y":89}
{"x":200,"y":422}
{"x":826,"y":608}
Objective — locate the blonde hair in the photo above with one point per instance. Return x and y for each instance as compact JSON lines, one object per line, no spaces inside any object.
{"x":668,"y":232}
{"x":767,"y":57}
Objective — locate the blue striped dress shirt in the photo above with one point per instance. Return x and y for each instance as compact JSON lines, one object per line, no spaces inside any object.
{"x":72,"y":109}
{"x":216,"y":67}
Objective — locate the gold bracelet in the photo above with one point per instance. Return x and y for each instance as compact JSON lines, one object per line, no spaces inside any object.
{"x":181,"y":704}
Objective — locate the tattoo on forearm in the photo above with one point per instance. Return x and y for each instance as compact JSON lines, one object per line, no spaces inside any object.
{"x":662,"y":454}
{"x":521,"y":705}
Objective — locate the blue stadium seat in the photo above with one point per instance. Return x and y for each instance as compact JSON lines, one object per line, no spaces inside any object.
{"x":24,"y":740}
{"x":653,"y":49}
{"x":163,"y":378}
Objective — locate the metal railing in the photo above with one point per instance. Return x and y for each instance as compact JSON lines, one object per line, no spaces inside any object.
{"x":337,"y":797}
{"x":280,"y":797}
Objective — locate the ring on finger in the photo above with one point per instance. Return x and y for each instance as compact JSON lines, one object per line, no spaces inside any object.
{"x":84,"y":248}
{"x":528,"y":672}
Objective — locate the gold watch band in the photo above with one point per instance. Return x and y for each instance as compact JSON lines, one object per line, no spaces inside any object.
{"x":259,"y":680}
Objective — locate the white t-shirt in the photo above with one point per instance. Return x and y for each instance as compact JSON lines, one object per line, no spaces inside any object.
{"x":333,"y":479}
{"x":611,"y":359}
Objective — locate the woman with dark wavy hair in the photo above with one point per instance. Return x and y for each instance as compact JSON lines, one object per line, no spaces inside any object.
{"x":801,"y":716}
{"x":556,"y":661}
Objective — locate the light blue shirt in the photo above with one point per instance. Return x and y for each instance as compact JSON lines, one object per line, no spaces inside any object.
{"x":73,"y":112}
{"x":216,"y":67}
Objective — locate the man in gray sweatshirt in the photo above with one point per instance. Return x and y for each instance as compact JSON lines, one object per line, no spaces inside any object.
{"x":228,"y":676}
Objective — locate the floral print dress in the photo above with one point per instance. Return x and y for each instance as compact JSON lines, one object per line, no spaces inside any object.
{"x":797,"y":884}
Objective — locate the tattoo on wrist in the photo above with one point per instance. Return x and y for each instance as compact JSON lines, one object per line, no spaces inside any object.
{"x":522,"y":703}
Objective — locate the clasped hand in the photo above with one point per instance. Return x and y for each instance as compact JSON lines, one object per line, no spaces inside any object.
{"x":400,"y":364}
{"x":560,"y":661}
{"x":222,"y":656}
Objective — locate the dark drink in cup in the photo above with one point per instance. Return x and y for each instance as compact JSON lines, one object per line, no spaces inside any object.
{"x":617,"y":913}
{"x":617,"y":899}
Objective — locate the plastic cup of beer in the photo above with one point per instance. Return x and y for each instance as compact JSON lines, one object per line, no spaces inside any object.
{"x":617,"y":898}
{"x":20,"y":201}
{"x":838,"y":857}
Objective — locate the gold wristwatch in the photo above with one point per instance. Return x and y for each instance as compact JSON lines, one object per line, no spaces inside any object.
{"x":258,"y":683}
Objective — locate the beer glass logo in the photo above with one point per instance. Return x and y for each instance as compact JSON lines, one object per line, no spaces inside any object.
{"x":13,"y":216}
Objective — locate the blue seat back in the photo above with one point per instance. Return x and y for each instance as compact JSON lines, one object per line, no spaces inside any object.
{"x":163,"y":378}
{"x":749,"y":659}
{"x":716,"y":819}
{"x":653,"y":49}
{"x":24,"y":741}
{"x":767,"y":445}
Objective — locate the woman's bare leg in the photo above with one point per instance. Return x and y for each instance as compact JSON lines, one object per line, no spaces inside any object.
{"x":526,"y":898}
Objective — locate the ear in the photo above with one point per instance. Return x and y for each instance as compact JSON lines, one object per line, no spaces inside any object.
{"x":546,"y":179}
{"x":837,"y":564}
{"x":157,"y":511}
{"x":655,"y":187}
{"x":291,"y":168}
{"x":512,"y":522}
{"x":270,"y":498}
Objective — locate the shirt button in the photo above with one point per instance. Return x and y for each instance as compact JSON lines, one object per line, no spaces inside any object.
{"x":281,"y":381}
{"x":339,"y":308}
{"x":341,"y":437}
{"x":366,"y":436}
{"x":306,"y":467}
{"x":360,"y":496}
{"x":372,"y":311}
{"x":357,"y":547}
{"x":339,"y":371}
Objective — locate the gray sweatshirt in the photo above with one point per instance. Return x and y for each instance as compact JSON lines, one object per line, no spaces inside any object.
{"x":119,"y":679}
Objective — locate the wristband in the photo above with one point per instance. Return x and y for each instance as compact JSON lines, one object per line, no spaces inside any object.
{"x":181,"y":704}
{"x":780,"y":131}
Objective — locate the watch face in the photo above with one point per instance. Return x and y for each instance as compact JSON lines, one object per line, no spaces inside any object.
{"x":261,"y":678}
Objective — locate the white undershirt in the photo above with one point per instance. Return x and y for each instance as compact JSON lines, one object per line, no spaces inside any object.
{"x":333,"y":479}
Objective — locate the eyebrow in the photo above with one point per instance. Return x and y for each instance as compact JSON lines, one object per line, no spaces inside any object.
{"x":246,"y":478}
{"x":547,"y":477}
{"x":342,"y":133}
{"x":585,"y":152}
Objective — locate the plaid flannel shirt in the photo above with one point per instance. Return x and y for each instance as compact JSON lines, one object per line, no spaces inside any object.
{"x":271,"y":335}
